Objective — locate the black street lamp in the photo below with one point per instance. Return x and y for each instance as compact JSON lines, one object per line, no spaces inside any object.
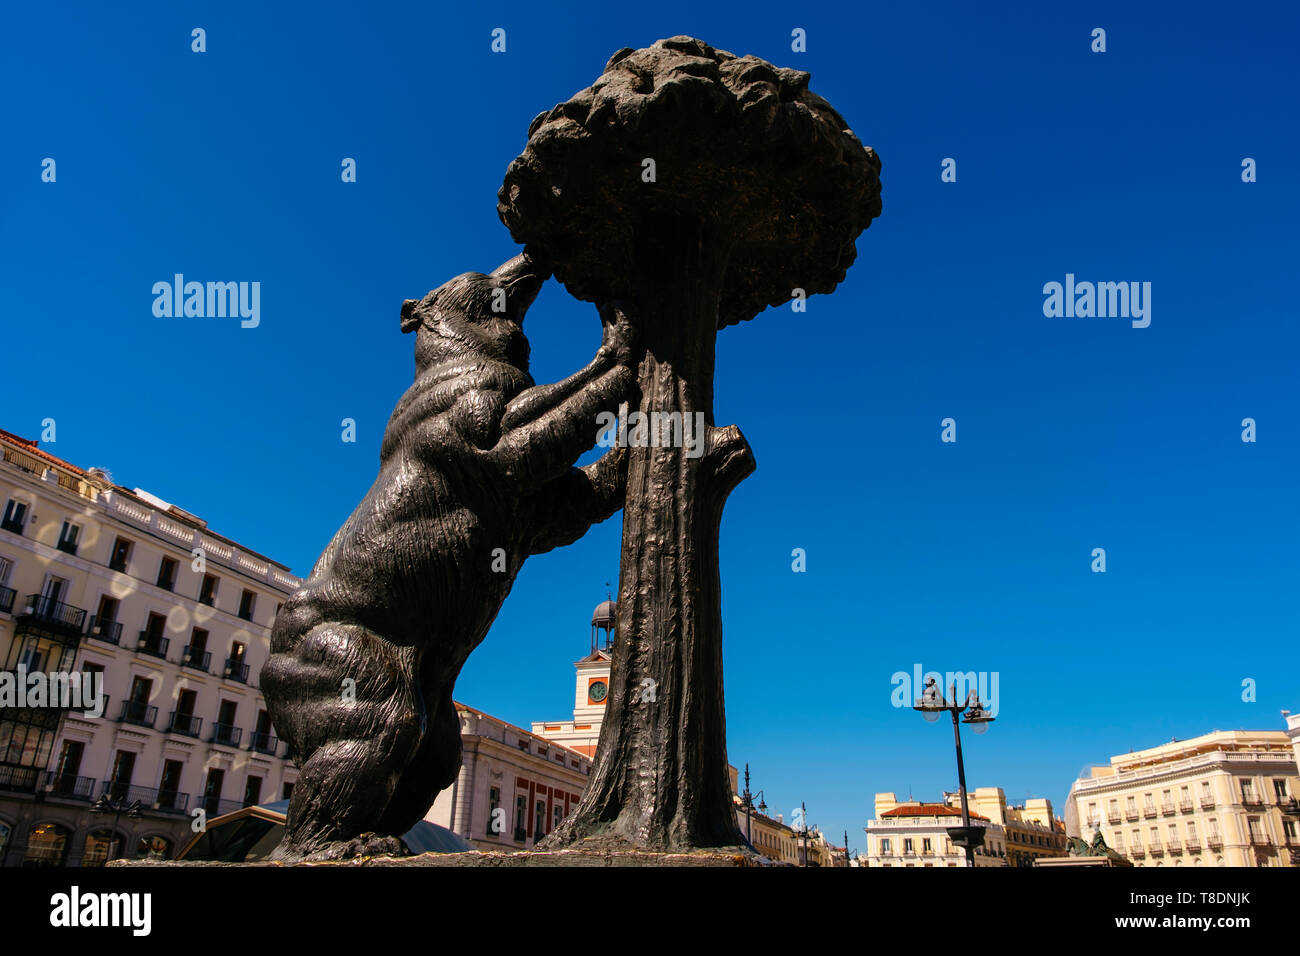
{"x":117,"y":807}
{"x":931,"y":705}
{"x":747,"y":799}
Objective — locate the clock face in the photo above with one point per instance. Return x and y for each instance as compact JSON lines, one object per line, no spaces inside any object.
{"x":597,"y":691}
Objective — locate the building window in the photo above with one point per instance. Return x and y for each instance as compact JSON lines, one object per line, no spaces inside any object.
{"x":167,"y":574}
{"x":252,"y":791}
{"x":926,"y":846}
{"x":539,"y":820}
{"x":68,"y":537}
{"x":907,"y":846}
{"x":494,"y":823}
{"x":15,"y":515}
{"x":170,"y":785}
{"x":246,"y":601}
{"x":1280,"y":790}
{"x":288,"y":791}
{"x":557,"y":814}
{"x":208,"y":590}
{"x":884,"y":846}
{"x":120,"y":554}
{"x":212,"y":792}
{"x":521,"y":818}
{"x":1289,"y":828}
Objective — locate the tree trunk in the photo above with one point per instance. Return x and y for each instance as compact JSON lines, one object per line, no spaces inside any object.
{"x":660,"y":777}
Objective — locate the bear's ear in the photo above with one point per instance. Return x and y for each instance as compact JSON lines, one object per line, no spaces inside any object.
{"x":410,"y":321}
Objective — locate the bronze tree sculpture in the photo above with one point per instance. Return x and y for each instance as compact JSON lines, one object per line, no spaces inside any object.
{"x":685,"y":190}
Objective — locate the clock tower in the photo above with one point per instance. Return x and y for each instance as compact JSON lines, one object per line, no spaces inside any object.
{"x":591,"y":690}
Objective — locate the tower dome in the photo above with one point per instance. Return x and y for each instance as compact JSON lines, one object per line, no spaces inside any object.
{"x":603,"y":616}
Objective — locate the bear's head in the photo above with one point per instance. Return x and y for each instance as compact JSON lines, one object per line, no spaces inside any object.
{"x":476,"y":315}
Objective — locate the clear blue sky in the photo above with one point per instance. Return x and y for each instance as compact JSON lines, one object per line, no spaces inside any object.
{"x":1072,"y":434}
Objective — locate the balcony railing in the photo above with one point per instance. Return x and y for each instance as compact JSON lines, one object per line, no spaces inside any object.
{"x":1113,"y":816}
{"x":20,"y":779}
{"x":1131,"y":813}
{"x":1252,"y":800}
{"x":1149,"y":811}
{"x":185,"y":724}
{"x":1156,"y":849}
{"x":69,"y":786}
{"x":263,"y":743}
{"x":52,"y":615}
{"x":1193,"y":844}
{"x":1207,"y":802}
{"x":1214,"y":841}
{"x":1168,"y":809}
{"x":215,"y":807}
{"x":227,"y":734}
{"x":1186,"y":806}
{"x":1174,"y":845}
{"x":236,"y":670}
{"x":155,"y":645}
{"x":196,"y":657}
{"x":68,"y":547}
{"x":108,"y":631}
{"x":138,"y":712}
{"x":7,"y":596}
{"x":151,"y":798}
{"x":1288,"y":804}
{"x":1137,"y":851}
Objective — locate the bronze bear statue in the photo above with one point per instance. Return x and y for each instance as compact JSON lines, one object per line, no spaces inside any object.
{"x":476,"y":474}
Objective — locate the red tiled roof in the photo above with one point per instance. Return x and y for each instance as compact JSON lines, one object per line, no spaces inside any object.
{"x":929,"y":810}
{"x":29,"y":446}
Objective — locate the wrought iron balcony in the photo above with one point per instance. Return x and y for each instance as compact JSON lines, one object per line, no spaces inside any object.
{"x":108,"y":631}
{"x":227,"y":734}
{"x":1149,"y":811}
{"x":236,"y":670}
{"x":1131,"y":813}
{"x":1137,"y":851}
{"x":263,"y":743}
{"x":19,"y":779}
{"x":152,"y":798}
{"x":1167,"y":809}
{"x":185,"y":724}
{"x":1214,"y":841}
{"x":53,"y":616}
{"x":196,"y":657}
{"x":1186,"y":806}
{"x":1251,"y":800}
{"x":138,"y":712}
{"x":1113,"y":816}
{"x":68,"y":786}
{"x":1207,"y":803}
{"x":1193,"y":844}
{"x":1288,"y":804}
{"x":1156,"y":849}
{"x":215,"y":807}
{"x":7,"y":596}
{"x":155,"y":645}
{"x":1173,"y":845}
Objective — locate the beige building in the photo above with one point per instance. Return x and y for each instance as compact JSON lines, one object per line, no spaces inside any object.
{"x":174,"y":619}
{"x":1031,"y":830}
{"x":912,"y":833}
{"x":1226,"y":798}
{"x":514,"y":787}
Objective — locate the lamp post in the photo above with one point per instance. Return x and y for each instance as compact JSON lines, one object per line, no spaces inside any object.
{"x":117,"y":807}
{"x":747,"y":799}
{"x":931,"y":705}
